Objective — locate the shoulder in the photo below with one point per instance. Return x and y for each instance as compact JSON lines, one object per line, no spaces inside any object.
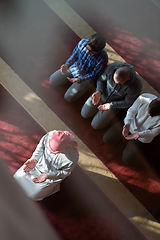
{"x":147,"y":97}
{"x":102,"y":56}
{"x":144,"y":99}
{"x":72,"y":155}
{"x":112,"y":67}
{"x":46,"y":136}
{"x":134,"y":85}
{"x":83,"y":42}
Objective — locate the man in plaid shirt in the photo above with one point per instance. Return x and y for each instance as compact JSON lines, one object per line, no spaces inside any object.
{"x":82,"y":69}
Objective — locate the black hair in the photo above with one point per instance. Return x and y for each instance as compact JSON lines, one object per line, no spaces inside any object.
{"x":97,"y":42}
{"x":123,"y":73}
{"x":154,"y":107}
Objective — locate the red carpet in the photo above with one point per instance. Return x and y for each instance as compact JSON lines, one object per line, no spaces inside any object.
{"x":75,"y":212}
{"x":34,"y":46}
{"x":19,"y":132}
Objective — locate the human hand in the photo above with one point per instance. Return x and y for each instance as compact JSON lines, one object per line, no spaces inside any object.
{"x":41,"y":178}
{"x":29,"y":165}
{"x":96,"y":97}
{"x":73,"y":80}
{"x":64,"y":68}
{"x":133,"y":136}
{"x":105,"y":107}
{"x":125,"y":130}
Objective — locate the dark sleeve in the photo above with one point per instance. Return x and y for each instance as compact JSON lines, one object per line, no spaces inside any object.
{"x":133,"y":92}
{"x":101,"y":82}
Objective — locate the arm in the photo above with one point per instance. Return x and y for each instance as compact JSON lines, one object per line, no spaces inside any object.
{"x":68,"y":161}
{"x":57,"y":175}
{"x":35,"y":157}
{"x":31,"y":163}
{"x":96,"y":97}
{"x":73,"y":80}
{"x":97,"y":70}
{"x":125,"y":133}
{"x":40,"y":148}
{"x":64,"y":69}
{"x":148,"y":134}
{"x":127,"y":102}
{"x":102,"y":81}
{"x":105,"y":107}
{"x":41,"y":178}
{"x":125,"y":130}
{"x":131,"y":92}
{"x":73,"y":57}
{"x":132,"y":112}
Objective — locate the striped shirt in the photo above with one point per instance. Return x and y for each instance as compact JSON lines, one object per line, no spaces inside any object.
{"x":87,"y":67}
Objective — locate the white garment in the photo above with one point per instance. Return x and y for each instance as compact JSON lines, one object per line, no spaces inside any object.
{"x":20,"y":218}
{"x":59,"y":166}
{"x":139,"y":120}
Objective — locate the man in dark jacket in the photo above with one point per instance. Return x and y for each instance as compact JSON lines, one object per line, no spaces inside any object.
{"x":117,"y":88}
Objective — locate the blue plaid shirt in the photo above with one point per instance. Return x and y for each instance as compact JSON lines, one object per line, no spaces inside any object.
{"x":87,"y":67}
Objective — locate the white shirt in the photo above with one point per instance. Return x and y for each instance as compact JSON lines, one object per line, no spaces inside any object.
{"x":139,"y":120}
{"x":58,"y":165}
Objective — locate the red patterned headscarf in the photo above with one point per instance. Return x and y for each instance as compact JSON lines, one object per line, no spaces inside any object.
{"x":61,"y":141}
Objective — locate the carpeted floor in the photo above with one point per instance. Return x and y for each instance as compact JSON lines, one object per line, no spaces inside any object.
{"x":34,"y":43}
{"x":80,"y":210}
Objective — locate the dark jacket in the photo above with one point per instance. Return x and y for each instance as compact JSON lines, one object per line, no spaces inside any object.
{"x":126,"y":93}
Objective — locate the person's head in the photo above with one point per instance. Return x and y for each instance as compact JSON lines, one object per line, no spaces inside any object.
{"x":95,"y":44}
{"x":121,"y":75}
{"x":61,"y":141}
{"x":154,"y":107}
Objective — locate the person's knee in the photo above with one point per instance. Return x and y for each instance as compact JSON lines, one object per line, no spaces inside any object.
{"x":126,"y":158}
{"x":57,"y":78}
{"x":96,"y":125}
{"x":53,"y":78}
{"x":88,"y":110}
{"x":68,"y":98}
{"x":36,"y":198}
{"x":108,"y":138}
{"x":129,"y":158}
{"x":84,"y":112}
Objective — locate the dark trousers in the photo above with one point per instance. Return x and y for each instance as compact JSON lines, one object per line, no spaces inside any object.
{"x":134,"y":152}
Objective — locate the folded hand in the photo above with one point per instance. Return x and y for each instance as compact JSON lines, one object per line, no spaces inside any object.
{"x":41,"y":178}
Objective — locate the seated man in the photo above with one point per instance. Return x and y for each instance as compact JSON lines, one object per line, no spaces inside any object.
{"x":117,"y":88}
{"x":54,"y":159}
{"x":141,"y":125}
{"x":82,"y":69}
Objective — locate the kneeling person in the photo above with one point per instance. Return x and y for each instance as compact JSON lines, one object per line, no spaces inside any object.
{"x":53,"y":160}
{"x":82,"y":69}
{"x":117,"y":88}
{"x":141,"y":125}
